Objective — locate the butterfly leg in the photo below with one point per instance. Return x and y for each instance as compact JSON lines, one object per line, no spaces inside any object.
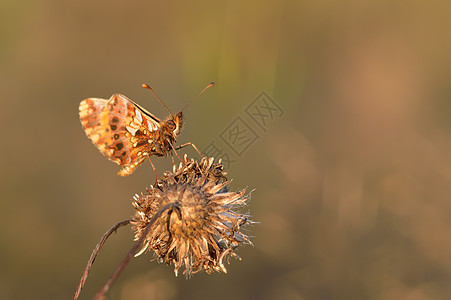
{"x":183,"y":161}
{"x":155,"y":170}
{"x":173,"y":161}
{"x":188,"y":144}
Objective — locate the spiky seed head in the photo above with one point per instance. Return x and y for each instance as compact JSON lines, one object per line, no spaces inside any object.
{"x":203,"y":228}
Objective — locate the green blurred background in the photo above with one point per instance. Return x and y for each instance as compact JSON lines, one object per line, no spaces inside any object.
{"x":352,"y":183}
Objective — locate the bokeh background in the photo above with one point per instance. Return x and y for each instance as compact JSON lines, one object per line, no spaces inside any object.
{"x":352,"y":183}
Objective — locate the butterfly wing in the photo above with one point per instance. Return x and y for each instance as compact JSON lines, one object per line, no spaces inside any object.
{"x":120,"y":129}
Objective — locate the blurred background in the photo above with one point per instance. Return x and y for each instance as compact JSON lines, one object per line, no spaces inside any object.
{"x":351,"y":168}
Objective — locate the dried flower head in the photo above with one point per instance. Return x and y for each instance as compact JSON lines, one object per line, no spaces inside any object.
{"x":201,"y":228}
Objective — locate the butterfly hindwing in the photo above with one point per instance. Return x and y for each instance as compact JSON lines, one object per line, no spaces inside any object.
{"x":92,"y":120}
{"x":120,"y":129}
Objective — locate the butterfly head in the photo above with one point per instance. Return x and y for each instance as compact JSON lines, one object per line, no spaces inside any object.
{"x":174,"y":124}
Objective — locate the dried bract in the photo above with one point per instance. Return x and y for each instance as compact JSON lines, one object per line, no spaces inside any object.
{"x":201,"y":227}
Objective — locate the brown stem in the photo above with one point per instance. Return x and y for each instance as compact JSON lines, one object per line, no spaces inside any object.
{"x":101,"y":294}
{"x":94,"y":254}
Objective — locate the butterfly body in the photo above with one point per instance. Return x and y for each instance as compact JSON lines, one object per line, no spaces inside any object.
{"x":125,"y":132}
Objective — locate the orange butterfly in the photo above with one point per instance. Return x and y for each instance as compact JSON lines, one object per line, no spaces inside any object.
{"x":126,"y":133}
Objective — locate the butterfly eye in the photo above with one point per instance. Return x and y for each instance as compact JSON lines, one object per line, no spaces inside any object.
{"x":171,"y":124}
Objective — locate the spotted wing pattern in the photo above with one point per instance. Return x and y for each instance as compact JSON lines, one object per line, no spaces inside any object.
{"x":122,"y":130}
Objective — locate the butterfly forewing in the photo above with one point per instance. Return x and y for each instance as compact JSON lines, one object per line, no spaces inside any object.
{"x":120,"y":129}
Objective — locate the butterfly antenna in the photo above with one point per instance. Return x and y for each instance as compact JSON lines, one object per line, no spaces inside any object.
{"x":208,"y":86}
{"x":153,"y":92}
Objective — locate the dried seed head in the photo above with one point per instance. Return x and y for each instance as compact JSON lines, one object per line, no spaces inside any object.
{"x":201,"y":228}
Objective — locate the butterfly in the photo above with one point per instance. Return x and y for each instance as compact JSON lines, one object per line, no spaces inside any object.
{"x":128,"y":134}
